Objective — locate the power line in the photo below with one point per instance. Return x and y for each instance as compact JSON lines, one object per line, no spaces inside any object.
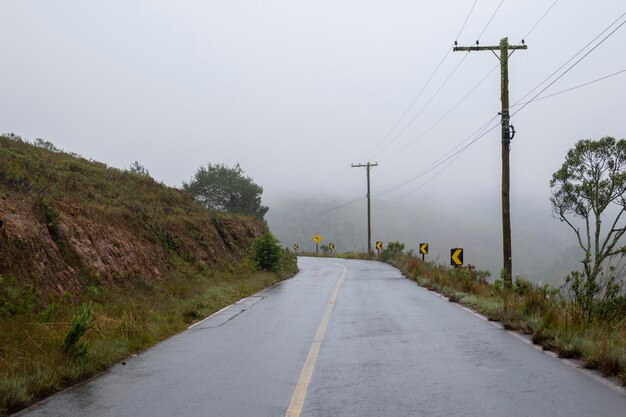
{"x":444,"y":158}
{"x":569,"y":60}
{"x":460,"y":152}
{"x":422,"y":109}
{"x":407,"y":110}
{"x":419,"y":94}
{"x":540,"y":19}
{"x":450,"y":160}
{"x":455,"y":156}
{"x":444,"y":83}
{"x":489,"y":22}
{"x":428,"y":181}
{"x":432,"y":126}
{"x":574,"y":88}
{"x":466,"y":19}
{"x":573,"y":65}
{"x":317,"y":214}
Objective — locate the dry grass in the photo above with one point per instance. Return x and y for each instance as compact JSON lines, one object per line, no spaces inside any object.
{"x":125,"y":321}
{"x":554,"y":322}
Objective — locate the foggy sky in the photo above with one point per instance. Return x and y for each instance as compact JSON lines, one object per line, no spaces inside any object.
{"x":296,"y":91}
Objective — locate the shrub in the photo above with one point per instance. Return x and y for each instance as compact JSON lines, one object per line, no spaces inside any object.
{"x":266,"y":252}
{"x":392,"y":251}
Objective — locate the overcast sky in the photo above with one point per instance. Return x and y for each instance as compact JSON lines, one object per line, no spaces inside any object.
{"x":296,"y":91}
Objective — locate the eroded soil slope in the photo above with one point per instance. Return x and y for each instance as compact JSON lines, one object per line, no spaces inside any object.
{"x":66,"y":223}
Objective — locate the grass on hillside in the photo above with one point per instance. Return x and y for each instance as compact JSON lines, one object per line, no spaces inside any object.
{"x":48,"y":341}
{"x":42,"y":170}
{"x":34,"y":364}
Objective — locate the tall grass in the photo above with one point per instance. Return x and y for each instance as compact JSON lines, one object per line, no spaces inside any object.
{"x":51,"y":340}
{"x":553,"y":321}
{"x":40,"y":352}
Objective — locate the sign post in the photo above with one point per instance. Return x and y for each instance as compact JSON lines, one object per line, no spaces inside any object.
{"x":317,"y":239}
{"x":456,"y":257}
{"x":379,"y":247}
{"x":331,"y":246}
{"x":423,"y":250}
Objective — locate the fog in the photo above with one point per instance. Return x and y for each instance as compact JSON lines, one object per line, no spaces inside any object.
{"x":296,"y":91}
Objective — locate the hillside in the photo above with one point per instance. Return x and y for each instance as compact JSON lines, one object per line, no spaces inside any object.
{"x":97,"y":263}
{"x":68,"y":222}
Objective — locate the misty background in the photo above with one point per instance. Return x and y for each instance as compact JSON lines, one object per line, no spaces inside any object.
{"x":296,"y":91}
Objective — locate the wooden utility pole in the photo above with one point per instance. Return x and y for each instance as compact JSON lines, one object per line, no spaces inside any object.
{"x":369,"y":216}
{"x":507,"y":135}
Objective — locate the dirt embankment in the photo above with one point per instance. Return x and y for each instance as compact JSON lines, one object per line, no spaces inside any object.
{"x":66,"y":223}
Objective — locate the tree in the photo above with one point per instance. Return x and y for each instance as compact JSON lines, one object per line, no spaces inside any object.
{"x":222,"y":188}
{"x":589,"y":189}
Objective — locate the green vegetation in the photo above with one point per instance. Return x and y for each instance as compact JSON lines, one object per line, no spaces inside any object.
{"x":268,"y":255}
{"x":392,"y":250}
{"x":589,"y":187}
{"x":99,"y":263}
{"x":46,"y":348}
{"x":81,"y":322}
{"x":219,"y":187}
{"x":554,"y":320}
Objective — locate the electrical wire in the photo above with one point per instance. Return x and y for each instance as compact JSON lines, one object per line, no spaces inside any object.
{"x":307,"y":216}
{"x":572,"y":66}
{"x":423,"y":107}
{"x":466,"y":19}
{"x":445,"y":157}
{"x":570,"y":60}
{"x":451,"y":159}
{"x":429,"y":180}
{"x":419,"y":94}
{"x":574,"y":88}
{"x":489,"y":22}
{"x":540,"y":19}
{"x":456,"y":155}
{"x":343,"y":171}
{"x":440,"y":87}
{"x":432,"y":126}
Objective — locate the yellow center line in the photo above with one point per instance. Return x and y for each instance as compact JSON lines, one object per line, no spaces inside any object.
{"x":297,"y":399}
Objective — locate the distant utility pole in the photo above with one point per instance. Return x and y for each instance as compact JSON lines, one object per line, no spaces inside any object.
{"x":507,"y":135}
{"x":369,"y":217}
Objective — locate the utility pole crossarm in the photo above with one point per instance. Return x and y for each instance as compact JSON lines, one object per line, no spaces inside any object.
{"x":486,"y":48}
{"x":365,"y":165}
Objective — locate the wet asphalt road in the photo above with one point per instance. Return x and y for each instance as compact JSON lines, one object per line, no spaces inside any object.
{"x":390,"y":348}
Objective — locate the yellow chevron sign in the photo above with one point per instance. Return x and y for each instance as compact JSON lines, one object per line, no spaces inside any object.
{"x":456,"y":256}
{"x":317,"y":238}
{"x":424,"y":248}
{"x":379,"y":245}
{"x":331,"y":246}
{"x":295,"y":247}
